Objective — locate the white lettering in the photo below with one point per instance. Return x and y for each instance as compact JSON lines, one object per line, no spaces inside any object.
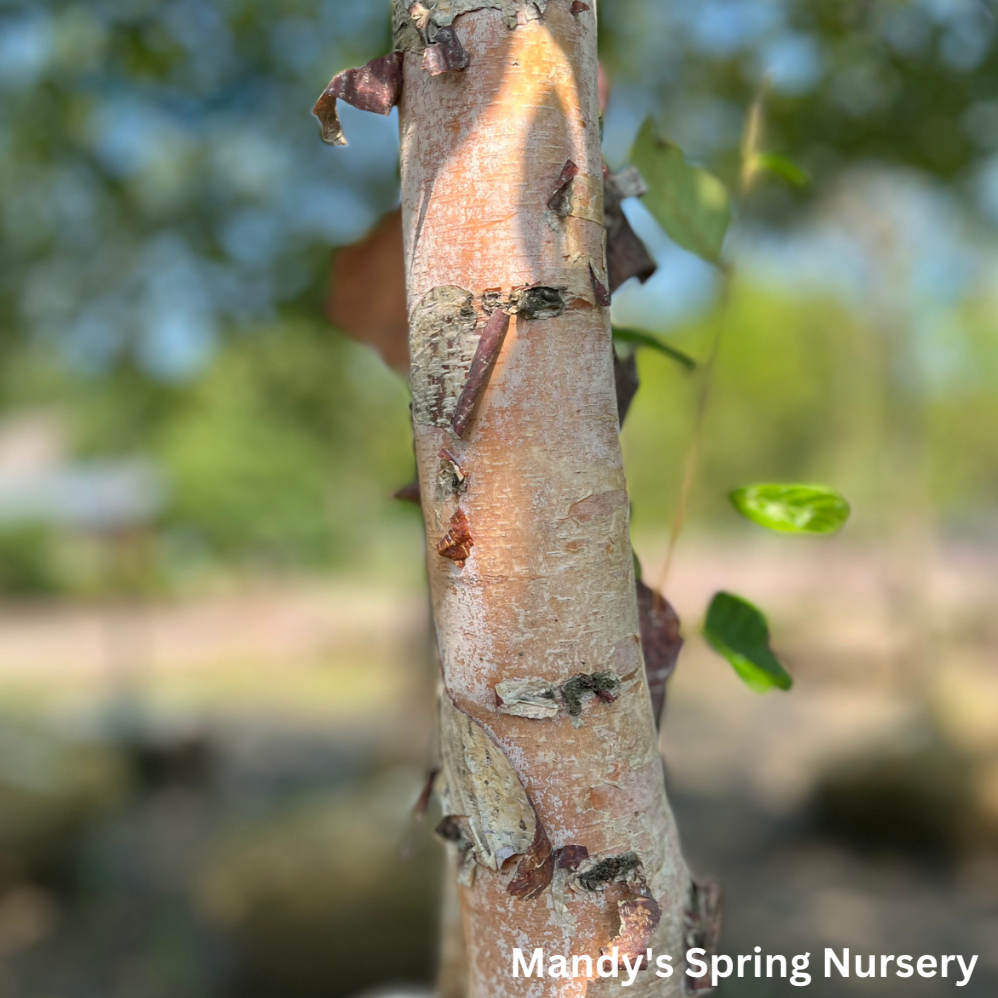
{"x":830,"y":958}
{"x":536,"y":968}
{"x":872,"y":972}
{"x":558,"y":967}
{"x":967,"y":969}
{"x":612,"y":960}
{"x":697,"y":968}
{"x":800,"y":963}
{"x":632,"y":972}
{"x":715,"y":971}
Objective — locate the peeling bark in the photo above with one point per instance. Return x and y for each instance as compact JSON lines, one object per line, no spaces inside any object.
{"x":457,"y":543}
{"x":445,"y":53}
{"x":703,"y":929}
{"x":374,"y":87}
{"x":538,"y":631}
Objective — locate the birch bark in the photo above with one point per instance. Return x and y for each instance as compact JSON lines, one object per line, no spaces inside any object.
{"x":530,"y":563}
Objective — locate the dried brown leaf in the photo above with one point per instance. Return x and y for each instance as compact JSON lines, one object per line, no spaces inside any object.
{"x":661,"y":643}
{"x":626,"y":255}
{"x":625,"y":376}
{"x":367,"y":292}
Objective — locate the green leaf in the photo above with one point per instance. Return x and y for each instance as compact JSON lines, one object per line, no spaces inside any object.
{"x":784,"y":167}
{"x":793,"y":509}
{"x":691,"y":204}
{"x":642,"y":339}
{"x":738,"y":631}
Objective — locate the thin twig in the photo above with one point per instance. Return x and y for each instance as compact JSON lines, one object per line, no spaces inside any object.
{"x":751,"y":139}
{"x":693,"y":453}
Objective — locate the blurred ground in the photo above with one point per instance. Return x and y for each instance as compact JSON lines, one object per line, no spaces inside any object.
{"x":214,"y":798}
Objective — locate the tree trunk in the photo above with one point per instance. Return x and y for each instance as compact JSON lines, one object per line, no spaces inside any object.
{"x":552,"y":783}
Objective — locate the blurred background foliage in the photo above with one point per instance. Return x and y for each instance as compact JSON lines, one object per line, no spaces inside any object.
{"x":168,"y":215}
{"x":214,"y":657}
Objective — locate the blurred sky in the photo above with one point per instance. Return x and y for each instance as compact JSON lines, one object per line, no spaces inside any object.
{"x":169,"y":212}
{"x":163,"y":183}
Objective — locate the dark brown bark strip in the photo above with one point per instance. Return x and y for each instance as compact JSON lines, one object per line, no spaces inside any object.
{"x":375,"y":87}
{"x":489,"y":346}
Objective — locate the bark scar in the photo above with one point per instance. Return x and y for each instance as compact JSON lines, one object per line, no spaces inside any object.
{"x":412,"y":21}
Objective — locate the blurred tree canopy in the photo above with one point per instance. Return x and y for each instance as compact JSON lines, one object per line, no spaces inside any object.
{"x":168,"y":213}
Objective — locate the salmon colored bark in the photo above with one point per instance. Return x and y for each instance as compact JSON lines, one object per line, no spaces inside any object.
{"x":552,"y":783}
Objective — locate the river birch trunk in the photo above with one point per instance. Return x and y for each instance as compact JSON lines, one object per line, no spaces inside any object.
{"x":527,"y":517}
